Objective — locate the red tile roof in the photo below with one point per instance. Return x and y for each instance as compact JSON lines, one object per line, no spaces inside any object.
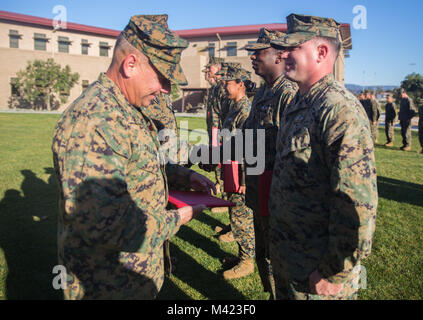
{"x":191,"y":33}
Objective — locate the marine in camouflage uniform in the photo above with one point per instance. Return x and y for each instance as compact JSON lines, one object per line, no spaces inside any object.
{"x":268,"y":101}
{"x":226,"y":105}
{"x":213,"y":101}
{"x":241,"y":217}
{"x":373,"y":112}
{"x":215,"y":97}
{"x":324,"y":192}
{"x":376,"y":114}
{"x":113,"y":185}
{"x":406,"y":113}
{"x":390,"y":116}
{"x":365,"y":102}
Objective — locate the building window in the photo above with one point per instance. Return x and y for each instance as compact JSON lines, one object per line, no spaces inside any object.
{"x":14,"y":37}
{"x":231,"y":49}
{"x":40,"y":41}
{"x":84,"y":85}
{"x":14,"y":88}
{"x":250,"y":52}
{"x":211,"y":49}
{"x":104,"y":49}
{"x":84,"y":46}
{"x":64,"y":44}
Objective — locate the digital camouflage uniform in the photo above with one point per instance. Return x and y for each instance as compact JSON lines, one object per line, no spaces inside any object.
{"x":324,"y":193}
{"x":406,"y":113}
{"x":390,"y":117}
{"x":241,"y":217}
{"x":374,"y":121}
{"x":268,"y":101}
{"x":113,"y":185}
{"x":215,"y":97}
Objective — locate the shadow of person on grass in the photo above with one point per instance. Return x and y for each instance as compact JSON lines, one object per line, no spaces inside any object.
{"x":28,"y":228}
{"x":400,"y":191}
{"x":212,"y":248}
{"x":210,"y":284}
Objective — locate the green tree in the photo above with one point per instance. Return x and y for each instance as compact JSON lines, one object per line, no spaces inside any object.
{"x":45,"y":83}
{"x":413,"y":85}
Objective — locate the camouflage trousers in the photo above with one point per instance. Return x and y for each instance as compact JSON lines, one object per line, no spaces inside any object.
{"x":374,"y":131}
{"x":389,"y":132}
{"x":242,"y":225}
{"x":261,"y":229}
{"x":300,"y":290}
{"x":406,"y":132}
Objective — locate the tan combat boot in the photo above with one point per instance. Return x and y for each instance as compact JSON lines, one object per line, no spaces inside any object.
{"x":242,"y":269}
{"x":389,"y":144}
{"x":408,"y":148}
{"x":421,"y":151}
{"x":229,"y":262}
{"x":225,"y":229}
{"x":219,"y":209}
{"x":227,"y":237}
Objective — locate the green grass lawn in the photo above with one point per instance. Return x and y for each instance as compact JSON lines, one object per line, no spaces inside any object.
{"x":28,"y":225}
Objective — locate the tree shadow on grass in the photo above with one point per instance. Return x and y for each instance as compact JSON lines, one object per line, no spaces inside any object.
{"x":28,"y":237}
{"x":208,"y":283}
{"x":400,"y":191}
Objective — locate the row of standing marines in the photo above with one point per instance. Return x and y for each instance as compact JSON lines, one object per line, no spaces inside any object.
{"x":405,"y":114}
{"x":308,"y":219}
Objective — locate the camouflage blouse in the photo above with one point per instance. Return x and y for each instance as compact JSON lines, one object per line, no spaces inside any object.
{"x":113,"y":196}
{"x":324,"y":196}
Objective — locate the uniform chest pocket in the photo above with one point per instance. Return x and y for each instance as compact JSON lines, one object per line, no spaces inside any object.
{"x":145,"y":155}
{"x":147,"y":159}
{"x":298,"y":142}
{"x":296,"y":159}
{"x":266,"y":116}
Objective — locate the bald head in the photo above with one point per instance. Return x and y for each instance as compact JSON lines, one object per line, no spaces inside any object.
{"x":122,"y":49}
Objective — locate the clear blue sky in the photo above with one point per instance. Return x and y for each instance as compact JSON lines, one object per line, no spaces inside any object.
{"x":383,"y":54}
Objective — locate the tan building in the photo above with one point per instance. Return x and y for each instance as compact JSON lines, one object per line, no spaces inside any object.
{"x":88,"y":50}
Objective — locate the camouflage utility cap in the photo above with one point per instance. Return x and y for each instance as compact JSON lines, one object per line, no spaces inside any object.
{"x":226,"y":65}
{"x":212,"y":62}
{"x":264,"y":38}
{"x":150,"y":35}
{"x":234,"y":73}
{"x":302,"y":28}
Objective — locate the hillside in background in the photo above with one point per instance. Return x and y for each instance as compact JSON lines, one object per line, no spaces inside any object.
{"x":357,"y":88}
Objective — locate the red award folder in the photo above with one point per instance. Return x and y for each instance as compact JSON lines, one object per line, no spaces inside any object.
{"x":265,"y":181}
{"x":191,"y":198}
{"x":231,"y":176}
